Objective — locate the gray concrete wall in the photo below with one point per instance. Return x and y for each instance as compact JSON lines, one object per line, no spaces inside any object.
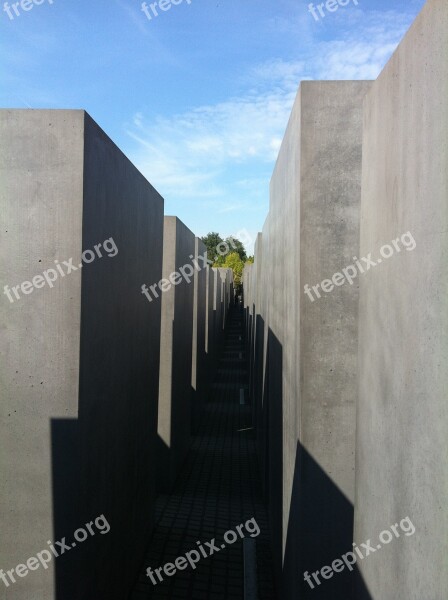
{"x":247,"y":287}
{"x":307,"y":351}
{"x":402,"y":431}
{"x":175,"y":353}
{"x":219,"y":295}
{"x":210,"y":320}
{"x":79,"y":395}
{"x":199,"y":371}
{"x":222,"y":282}
{"x":226,"y":276}
{"x":331,"y":160}
{"x":218,"y":310}
{"x":259,"y":346}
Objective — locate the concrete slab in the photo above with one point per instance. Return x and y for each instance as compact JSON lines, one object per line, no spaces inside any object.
{"x":402,"y":430}
{"x":226,"y":276}
{"x":306,"y":384}
{"x":210,"y":320}
{"x":79,"y":394}
{"x":218,"y":309}
{"x":199,"y":372}
{"x":175,"y":352}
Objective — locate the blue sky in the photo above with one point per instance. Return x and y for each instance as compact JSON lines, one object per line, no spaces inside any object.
{"x":199,"y":96}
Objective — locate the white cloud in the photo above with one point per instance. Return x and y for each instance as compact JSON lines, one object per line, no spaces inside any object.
{"x":197,"y":153}
{"x":187,"y":155}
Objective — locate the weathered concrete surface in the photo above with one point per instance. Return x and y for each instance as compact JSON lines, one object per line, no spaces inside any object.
{"x":254,"y":292}
{"x":210,"y":320}
{"x":79,"y":395}
{"x":175,"y":352}
{"x":199,"y":371}
{"x":331,"y":160}
{"x":248,"y":284}
{"x":306,"y":384}
{"x":260,"y":286}
{"x":226,"y":276}
{"x":216,"y":332}
{"x":402,"y":430}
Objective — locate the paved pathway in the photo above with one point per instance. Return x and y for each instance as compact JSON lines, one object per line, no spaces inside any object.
{"x":218,"y":490}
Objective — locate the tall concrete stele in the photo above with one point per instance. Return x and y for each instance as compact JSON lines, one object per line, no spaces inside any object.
{"x":376,"y":350}
{"x":79,"y":361}
{"x":402,"y":431}
{"x":192,"y":329}
{"x":176,"y":341}
{"x":304,"y":353}
{"x":199,"y":370}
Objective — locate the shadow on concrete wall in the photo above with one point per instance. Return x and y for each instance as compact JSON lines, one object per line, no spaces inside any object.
{"x":166,"y":481}
{"x":257,"y":391}
{"x":320,"y":530}
{"x":103,"y":463}
{"x":105,"y":565}
{"x":320,"y":523}
{"x":66,"y":505}
{"x":179,"y":406}
{"x":272,"y":418}
{"x":94,"y":565}
{"x":187,"y":408}
{"x":266,"y":397}
{"x":249,"y":342}
{"x":197,"y":399}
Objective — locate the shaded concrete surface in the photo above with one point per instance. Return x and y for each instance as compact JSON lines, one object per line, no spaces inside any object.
{"x":210,"y":325}
{"x":328,"y":517}
{"x":199,"y":369}
{"x":219,"y":488}
{"x":216,"y":330}
{"x":226,"y":277}
{"x":118,"y":366}
{"x":176,"y":334}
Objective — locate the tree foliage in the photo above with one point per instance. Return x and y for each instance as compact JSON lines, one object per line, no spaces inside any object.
{"x":218,"y":248}
{"x":212,"y":241}
{"x":236,"y":246}
{"x":234,"y":262}
{"x":228,"y":252}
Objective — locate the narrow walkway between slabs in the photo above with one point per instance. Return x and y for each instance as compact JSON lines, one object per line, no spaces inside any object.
{"x":218,"y":490}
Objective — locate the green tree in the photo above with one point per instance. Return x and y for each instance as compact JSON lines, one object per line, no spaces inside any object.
{"x":234,"y":262}
{"x":236,"y":246}
{"x":219,"y":249}
{"x":212,"y":240}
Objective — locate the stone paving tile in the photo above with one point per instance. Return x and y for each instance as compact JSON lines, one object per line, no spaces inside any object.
{"x":218,"y":489}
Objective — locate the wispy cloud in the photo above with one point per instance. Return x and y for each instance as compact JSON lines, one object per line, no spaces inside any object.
{"x":202,"y":152}
{"x":134,"y":15}
{"x":188,"y":155}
